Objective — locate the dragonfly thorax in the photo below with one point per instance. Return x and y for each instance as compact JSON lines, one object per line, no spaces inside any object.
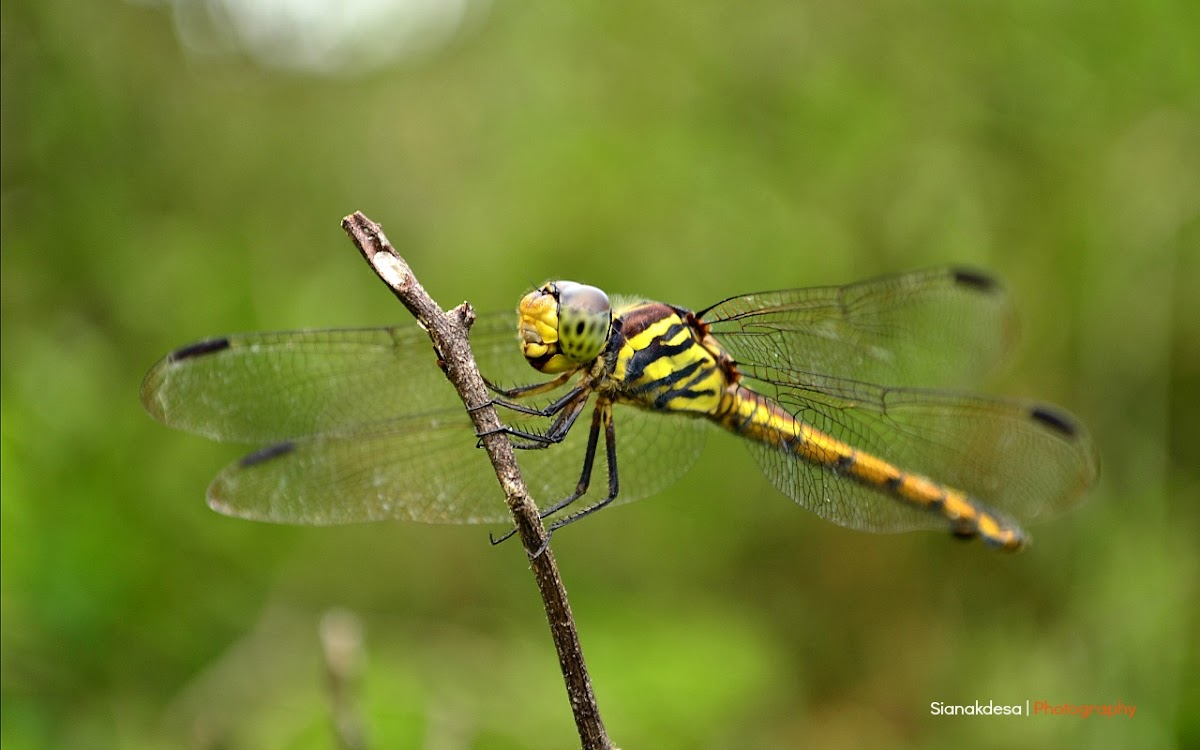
{"x":563,"y":325}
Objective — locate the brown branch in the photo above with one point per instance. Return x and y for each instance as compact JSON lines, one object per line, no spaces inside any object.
{"x":448,"y":331}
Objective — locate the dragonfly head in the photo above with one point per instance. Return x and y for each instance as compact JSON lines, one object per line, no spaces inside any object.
{"x":563,"y":325}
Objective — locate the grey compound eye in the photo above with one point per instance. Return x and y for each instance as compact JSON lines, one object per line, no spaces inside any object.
{"x":584,"y":317}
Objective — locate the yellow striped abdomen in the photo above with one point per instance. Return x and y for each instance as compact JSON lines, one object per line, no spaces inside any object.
{"x":758,"y":418}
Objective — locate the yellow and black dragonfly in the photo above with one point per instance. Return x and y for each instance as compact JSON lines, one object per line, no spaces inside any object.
{"x":361,"y":425}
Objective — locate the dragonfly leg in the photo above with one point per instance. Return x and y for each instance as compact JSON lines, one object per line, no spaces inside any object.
{"x":601,"y":414}
{"x":604,"y":412}
{"x":549,"y":411}
{"x":532,"y":389}
{"x":559,"y":429}
{"x":568,"y":410}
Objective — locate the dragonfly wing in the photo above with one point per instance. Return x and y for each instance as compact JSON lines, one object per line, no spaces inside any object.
{"x":269,"y":387}
{"x":360,"y":424}
{"x":426,"y":469}
{"x":654,"y":449}
{"x":1026,"y":460}
{"x":938,"y":327}
{"x":415,"y":469}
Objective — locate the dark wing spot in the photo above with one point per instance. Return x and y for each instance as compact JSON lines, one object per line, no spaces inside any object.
{"x":199,"y":348}
{"x":977,"y":279}
{"x":1055,"y":421}
{"x":267,"y":454}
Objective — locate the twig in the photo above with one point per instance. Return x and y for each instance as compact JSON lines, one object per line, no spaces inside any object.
{"x":448,"y":331}
{"x":342,"y":647}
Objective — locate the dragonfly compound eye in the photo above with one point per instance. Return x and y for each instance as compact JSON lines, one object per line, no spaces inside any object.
{"x":584,"y":317}
{"x":563,"y":325}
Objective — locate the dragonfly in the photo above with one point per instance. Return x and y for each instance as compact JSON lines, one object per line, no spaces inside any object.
{"x":850,"y":398}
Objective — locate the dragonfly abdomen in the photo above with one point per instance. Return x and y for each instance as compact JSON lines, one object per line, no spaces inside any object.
{"x":759,"y":418}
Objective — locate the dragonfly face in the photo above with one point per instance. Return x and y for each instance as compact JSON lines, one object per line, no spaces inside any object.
{"x":563,"y":325}
{"x":360,"y":425}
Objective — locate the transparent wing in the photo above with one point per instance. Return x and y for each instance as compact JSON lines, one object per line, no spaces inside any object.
{"x":427,"y":469}
{"x":939,"y":327}
{"x":421,"y":468}
{"x":361,"y":425}
{"x":268,"y":387}
{"x":1023,"y":459}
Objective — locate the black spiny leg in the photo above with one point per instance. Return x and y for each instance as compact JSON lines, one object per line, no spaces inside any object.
{"x":568,"y":409}
{"x":601,"y":413}
{"x":574,"y":399}
{"x":565,"y":410}
{"x":532,"y":389}
{"x":610,"y":445}
{"x":589,"y":458}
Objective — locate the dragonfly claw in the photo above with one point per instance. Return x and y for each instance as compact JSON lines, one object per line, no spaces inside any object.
{"x":509,"y":534}
{"x":502,"y":538}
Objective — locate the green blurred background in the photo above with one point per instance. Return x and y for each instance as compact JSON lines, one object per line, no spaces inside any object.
{"x":167,"y":176}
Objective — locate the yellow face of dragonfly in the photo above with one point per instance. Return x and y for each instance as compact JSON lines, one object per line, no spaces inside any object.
{"x":563,"y":325}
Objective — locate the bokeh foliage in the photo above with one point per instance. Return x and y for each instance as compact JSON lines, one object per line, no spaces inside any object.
{"x":685,"y":152}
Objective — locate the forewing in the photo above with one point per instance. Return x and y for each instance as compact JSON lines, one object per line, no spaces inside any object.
{"x":269,"y":387}
{"x":939,"y":327}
